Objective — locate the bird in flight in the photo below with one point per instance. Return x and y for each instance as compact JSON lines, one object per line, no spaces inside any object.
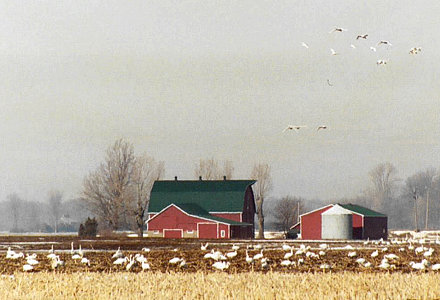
{"x":373,"y":49}
{"x":333,"y":52}
{"x":304,"y":45}
{"x":381,"y":62}
{"x":321,"y":127}
{"x":338,"y":29}
{"x":294,"y":127}
{"x":384,"y":43}
{"x":415,"y":50}
{"x":353,"y":46}
{"x":362,"y":36}
{"x":328,"y":82}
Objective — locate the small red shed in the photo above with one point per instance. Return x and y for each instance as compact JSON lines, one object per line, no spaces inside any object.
{"x":367,"y":224}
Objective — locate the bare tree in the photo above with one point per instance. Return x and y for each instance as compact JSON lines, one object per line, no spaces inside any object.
{"x":286,"y":212}
{"x":55,"y":199}
{"x":15,"y":205}
{"x":106,"y":189}
{"x":383,"y":180}
{"x":209,"y":169}
{"x":261,"y":173}
{"x":417,"y":186}
{"x":146,"y":170}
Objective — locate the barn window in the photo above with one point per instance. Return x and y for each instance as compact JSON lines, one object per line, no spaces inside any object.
{"x":190,"y":231}
{"x":156,"y":232}
{"x":222,"y":233}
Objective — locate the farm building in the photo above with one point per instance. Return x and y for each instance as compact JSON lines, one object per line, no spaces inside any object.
{"x":322,"y":223}
{"x":214,"y":209}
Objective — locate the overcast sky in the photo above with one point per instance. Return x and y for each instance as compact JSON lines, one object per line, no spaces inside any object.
{"x":184,"y":80}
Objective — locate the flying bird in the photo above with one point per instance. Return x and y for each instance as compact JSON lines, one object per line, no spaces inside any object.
{"x":362,"y":36}
{"x":294,"y":127}
{"x":333,"y":52}
{"x":373,"y":49}
{"x":381,"y":62}
{"x":338,"y":29}
{"x":353,"y":46}
{"x":304,"y":45}
{"x":328,"y":82}
{"x":384,"y":43}
{"x":321,"y":127}
{"x":415,"y":50}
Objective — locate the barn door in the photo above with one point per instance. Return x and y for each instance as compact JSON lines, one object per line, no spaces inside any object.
{"x":207,"y":231}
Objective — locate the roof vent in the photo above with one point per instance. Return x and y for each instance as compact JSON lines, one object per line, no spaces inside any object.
{"x":175,"y":178}
{"x":200,"y":177}
{"x":224,"y":178}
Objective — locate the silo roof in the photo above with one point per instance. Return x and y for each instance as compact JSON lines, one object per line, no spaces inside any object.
{"x":337,"y":210}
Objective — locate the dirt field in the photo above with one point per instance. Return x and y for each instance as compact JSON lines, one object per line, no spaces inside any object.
{"x":99,"y":251}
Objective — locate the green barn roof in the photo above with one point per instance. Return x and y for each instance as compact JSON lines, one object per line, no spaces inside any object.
{"x":210,"y":195}
{"x":362,"y":210}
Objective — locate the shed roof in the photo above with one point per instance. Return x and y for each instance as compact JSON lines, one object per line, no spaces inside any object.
{"x":210,"y":195}
{"x":362,"y":210}
{"x":337,"y":210}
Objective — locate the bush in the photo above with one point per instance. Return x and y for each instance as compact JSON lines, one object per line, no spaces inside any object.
{"x":89,"y":228}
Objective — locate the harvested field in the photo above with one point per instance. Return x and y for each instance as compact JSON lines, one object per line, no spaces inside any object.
{"x":251,"y":285}
{"x":99,"y":252}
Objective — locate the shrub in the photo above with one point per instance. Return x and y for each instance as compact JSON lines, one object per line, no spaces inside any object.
{"x":89,"y":228}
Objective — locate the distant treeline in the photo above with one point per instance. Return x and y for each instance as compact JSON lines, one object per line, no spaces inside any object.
{"x":19,"y":215}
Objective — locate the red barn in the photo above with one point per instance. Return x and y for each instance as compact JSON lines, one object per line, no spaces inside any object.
{"x":214,"y":209}
{"x":367,"y":224}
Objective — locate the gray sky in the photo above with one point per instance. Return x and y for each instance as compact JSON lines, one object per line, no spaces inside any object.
{"x":185,"y":80}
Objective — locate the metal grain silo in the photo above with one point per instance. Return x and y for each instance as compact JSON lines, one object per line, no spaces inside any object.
{"x":337,"y":223}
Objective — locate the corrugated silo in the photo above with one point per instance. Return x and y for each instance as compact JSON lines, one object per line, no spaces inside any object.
{"x":337,"y":223}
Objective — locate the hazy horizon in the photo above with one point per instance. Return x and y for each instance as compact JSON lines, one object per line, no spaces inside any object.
{"x":188,"y":81}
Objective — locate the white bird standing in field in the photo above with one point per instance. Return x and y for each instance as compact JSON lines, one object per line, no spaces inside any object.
{"x":286,"y":247}
{"x":231,"y":254}
{"x":145,"y":266}
{"x":27,"y":268}
{"x":221,"y":265}
{"x":435,"y":267}
{"x":259,"y":255}
{"x":235,"y":247}
{"x":204,"y":247}
{"x":120,"y":261}
{"x":288,"y":255}
{"x":175,"y":260}
{"x":286,"y":263}
{"x":146,"y":250}
{"x":352,"y":254}
{"x":375,"y":253}
{"x":85,"y":261}
{"x":249,"y":259}
{"x":118,"y":253}
{"x":130,"y":263}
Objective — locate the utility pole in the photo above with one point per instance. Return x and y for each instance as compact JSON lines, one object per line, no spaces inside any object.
{"x":415,"y":196}
{"x":427,"y":208}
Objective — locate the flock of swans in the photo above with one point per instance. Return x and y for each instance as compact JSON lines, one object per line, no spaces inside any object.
{"x":380,"y":255}
{"x":360,"y":39}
